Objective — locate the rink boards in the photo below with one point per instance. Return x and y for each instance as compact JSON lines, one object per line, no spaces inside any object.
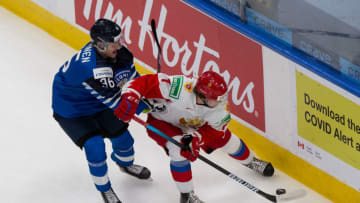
{"x":307,"y":126}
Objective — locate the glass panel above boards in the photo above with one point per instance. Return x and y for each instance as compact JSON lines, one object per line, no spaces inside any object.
{"x":326,"y":30}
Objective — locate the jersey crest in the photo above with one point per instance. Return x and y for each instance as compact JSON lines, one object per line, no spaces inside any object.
{"x":194,"y":123}
{"x":122,"y":77}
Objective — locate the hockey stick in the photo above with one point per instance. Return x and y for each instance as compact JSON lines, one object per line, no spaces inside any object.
{"x":153,"y":29}
{"x":273,"y":198}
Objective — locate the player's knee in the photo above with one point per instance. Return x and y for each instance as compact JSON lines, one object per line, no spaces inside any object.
{"x":174,"y":151}
{"x":95,"y":149}
{"x":123,"y":142}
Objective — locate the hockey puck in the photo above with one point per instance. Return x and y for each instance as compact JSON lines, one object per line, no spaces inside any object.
{"x":280,"y":191}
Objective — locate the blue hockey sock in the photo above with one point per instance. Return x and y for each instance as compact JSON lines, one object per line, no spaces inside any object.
{"x":96,"y":156}
{"x":123,"y":151}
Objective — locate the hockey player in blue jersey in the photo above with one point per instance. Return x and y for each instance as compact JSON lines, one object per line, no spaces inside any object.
{"x":86,"y":91}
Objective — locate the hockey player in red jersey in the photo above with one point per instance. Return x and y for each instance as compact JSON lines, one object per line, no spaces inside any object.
{"x":185,"y":107}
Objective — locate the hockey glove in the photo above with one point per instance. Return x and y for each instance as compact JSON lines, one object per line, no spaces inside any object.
{"x":127,"y":107}
{"x":191,"y":147}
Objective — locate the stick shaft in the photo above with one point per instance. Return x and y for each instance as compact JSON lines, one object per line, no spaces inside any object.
{"x":153,"y":29}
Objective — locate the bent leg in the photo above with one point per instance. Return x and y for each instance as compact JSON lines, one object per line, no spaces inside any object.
{"x":180,"y":167}
{"x":237,"y":149}
{"x":123,"y":155}
{"x":123,"y":151}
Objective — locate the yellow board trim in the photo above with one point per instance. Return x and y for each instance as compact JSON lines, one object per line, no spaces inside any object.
{"x":282,"y":159}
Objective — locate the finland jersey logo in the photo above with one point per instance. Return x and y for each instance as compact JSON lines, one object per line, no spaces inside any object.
{"x":121,"y":78}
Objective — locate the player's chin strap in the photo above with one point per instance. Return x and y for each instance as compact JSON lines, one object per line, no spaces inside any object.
{"x":273,"y":198}
{"x":100,"y":49}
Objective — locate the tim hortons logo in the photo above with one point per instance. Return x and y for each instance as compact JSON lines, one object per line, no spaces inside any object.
{"x":191,"y":43}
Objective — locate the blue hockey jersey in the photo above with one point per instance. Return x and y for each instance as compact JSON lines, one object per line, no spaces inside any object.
{"x":88,"y":83}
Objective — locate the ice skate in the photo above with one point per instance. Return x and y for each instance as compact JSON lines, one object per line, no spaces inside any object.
{"x":262,"y":167}
{"x":190,"y":198}
{"x":110,"y":196}
{"x":137,"y":171}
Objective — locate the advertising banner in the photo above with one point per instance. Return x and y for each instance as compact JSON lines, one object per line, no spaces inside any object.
{"x":328,"y":120}
{"x":192,"y":43}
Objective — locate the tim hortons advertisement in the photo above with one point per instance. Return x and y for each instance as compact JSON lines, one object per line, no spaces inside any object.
{"x":191,"y":42}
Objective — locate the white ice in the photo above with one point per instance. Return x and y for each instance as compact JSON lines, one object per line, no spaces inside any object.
{"x":39,"y":163}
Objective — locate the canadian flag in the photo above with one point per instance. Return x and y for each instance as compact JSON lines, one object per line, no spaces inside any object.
{"x":301,"y":145}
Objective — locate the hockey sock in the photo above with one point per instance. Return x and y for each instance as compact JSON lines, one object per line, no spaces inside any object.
{"x":242,"y":153}
{"x":181,"y":173}
{"x":96,"y":156}
{"x":123,"y":151}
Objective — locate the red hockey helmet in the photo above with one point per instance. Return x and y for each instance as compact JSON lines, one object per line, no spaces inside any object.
{"x":212,"y":86}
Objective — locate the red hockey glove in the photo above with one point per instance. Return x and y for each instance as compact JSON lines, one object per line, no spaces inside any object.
{"x":127,"y":107}
{"x":191,"y":147}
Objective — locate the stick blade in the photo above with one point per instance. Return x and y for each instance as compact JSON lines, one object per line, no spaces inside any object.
{"x":296,"y":194}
